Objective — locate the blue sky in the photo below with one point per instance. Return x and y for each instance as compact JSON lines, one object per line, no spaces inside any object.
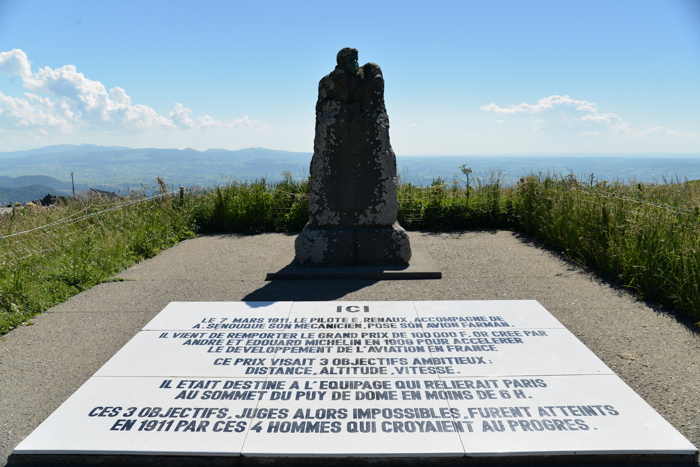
{"x":463,"y":77}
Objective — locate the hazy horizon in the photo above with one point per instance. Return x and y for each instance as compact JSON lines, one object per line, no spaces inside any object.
{"x":523,"y":154}
{"x":123,"y":167}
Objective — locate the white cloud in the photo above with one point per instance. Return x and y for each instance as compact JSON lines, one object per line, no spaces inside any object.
{"x":30,"y":112}
{"x":182,"y":117}
{"x":546,"y":103}
{"x":610,"y":120}
{"x":15,"y":62}
{"x":586,"y":117}
{"x":66,"y":99}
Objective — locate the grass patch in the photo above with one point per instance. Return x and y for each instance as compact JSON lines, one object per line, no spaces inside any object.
{"x":254,"y":207}
{"x":44,"y":267}
{"x":643,"y":237}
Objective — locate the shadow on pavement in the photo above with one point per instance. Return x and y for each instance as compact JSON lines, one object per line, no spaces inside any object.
{"x":306,"y":290}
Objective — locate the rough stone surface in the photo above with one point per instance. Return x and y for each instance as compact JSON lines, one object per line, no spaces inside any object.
{"x":352,"y":201}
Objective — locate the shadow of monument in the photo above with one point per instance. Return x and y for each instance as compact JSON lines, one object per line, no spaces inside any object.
{"x":306,"y":290}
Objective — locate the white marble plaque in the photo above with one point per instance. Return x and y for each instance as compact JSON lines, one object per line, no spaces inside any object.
{"x":353,"y":417}
{"x":372,"y":379}
{"x":476,"y":315}
{"x":356,"y":352}
{"x":196,"y":353}
{"x":219,"y":316}
{"x":139,"y":416}
{"x":592,"y":414}
{"x":367,"y":313}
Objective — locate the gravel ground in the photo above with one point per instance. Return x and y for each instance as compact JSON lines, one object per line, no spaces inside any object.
{"x":42,"y":364}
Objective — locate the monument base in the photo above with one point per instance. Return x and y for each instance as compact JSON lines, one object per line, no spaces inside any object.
{"x":353,"y":246}
{"x":420,"y":267}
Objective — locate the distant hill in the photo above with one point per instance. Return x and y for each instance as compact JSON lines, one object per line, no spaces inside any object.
{"x":129,"y":167}
{"x":29,"y":180}
{"x":33,"y":187}
{"x":25,"y":193}
{"x":116,"y":168}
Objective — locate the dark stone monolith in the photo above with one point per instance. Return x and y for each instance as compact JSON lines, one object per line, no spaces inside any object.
{"x":352,"y":200}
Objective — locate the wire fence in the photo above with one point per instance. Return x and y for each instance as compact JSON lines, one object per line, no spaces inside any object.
{"x":71,"y":218}
{"x":613,"y":196}
{"x":59,"y":234}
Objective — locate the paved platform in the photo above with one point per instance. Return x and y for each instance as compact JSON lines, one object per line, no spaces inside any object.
{"x":42,"y":364}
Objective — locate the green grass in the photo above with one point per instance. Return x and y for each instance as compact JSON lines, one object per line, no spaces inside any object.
{"x":45,"y":267}
{"x":254,"y":208}
{"x":643,"y":237}
{"x":443,"y":207}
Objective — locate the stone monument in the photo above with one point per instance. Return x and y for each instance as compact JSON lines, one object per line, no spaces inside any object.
{"x":352,"y":200}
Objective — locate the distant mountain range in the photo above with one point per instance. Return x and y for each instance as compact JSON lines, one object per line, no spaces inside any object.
{"x":28,"y":180}
{"x":130,"y":167}
{"x":121,"y":169}
{"x":25,"y":193}
{"x":29,"y":174}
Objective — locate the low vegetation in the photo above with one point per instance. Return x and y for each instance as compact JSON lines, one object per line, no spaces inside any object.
{"x":86,"y":245}
{"x":254,"y":207}
{"x":645,"y":237}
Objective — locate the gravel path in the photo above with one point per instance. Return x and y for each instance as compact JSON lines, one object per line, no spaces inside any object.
{"x":42,"y":364}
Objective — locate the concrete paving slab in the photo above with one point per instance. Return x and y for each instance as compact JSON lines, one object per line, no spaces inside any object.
{"x":151,"y":295}
{"x":40,"y":365}
{"x":218,"y":257}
